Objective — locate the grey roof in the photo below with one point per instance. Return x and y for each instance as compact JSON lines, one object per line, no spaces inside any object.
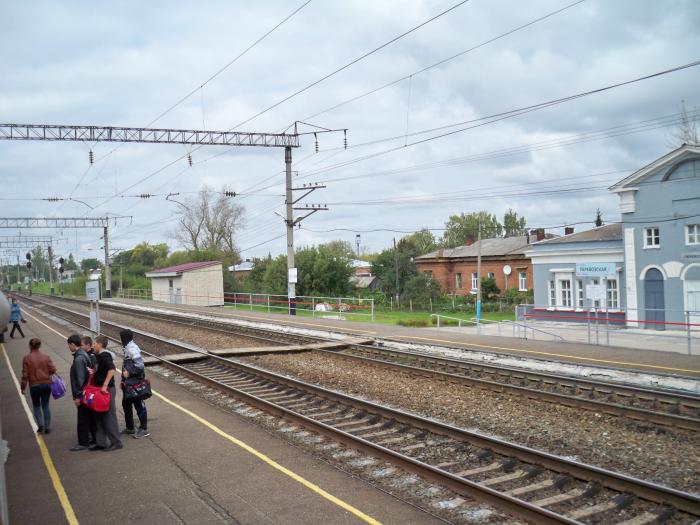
{"x":489,"y":248}
{"x":245,"y":266}
{"x":362,"y":281}
{"x":609,"y":232}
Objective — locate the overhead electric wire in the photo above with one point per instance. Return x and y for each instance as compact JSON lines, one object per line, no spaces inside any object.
{"x":349,"y":64}
{"x":444,"y":60}
{"x":491,"y":119}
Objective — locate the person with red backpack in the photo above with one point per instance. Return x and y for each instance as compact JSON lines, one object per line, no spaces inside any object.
{"x":107,"y":425}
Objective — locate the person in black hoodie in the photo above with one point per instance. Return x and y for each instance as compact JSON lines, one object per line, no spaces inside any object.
{"x":95,"y":443}
{"x":79,"y":375}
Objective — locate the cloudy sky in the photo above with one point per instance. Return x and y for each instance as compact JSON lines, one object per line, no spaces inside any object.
{"x":126,"y":63}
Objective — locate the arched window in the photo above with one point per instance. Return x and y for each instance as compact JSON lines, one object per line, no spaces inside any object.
{"x":686,"y":169}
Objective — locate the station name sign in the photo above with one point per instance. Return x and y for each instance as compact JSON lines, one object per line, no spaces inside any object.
{"x":604,"y":269}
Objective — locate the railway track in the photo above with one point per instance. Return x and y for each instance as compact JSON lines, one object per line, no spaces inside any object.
{"x":528,"y":483}
{"x":646,"y":405}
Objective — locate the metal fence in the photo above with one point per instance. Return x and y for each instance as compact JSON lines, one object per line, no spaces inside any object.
{"x":356,"y":308}
{"x":648,"y":328}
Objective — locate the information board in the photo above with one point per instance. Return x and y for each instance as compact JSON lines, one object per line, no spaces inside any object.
{"x":92,"y":290}
{"x":595,"y":292}
{"x":292,"y":276}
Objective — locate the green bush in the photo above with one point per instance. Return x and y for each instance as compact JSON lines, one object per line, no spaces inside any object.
{"x":417,"y":323}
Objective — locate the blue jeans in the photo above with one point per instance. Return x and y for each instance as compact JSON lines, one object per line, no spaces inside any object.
{"x":41,"y":394}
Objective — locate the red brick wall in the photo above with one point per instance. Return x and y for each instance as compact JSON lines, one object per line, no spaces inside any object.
{"x":444,"y":272}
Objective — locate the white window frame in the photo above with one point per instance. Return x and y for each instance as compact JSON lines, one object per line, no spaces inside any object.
{"x":491,"y":275}
{"x":647,"y":237}
{"x":522,"y":281}
{"x":565,"y":292}
{"x":696,"y":234}
{"x":552,"y":295}
{"x":475,"y":281}
{"x":458,"y":280}
{"x":579,"y":293}
{"x":612,"y":293}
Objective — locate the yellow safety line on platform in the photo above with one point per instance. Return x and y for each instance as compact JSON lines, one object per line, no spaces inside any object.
{"x":45,"y":454}
{"x":593,"y":359}
{"x":296,"y":477}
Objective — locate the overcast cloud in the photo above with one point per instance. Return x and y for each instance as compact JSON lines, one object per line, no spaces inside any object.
{"x":123,"y":64}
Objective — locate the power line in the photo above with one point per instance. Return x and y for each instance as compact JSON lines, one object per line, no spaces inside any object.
{"x":351,"y":63}
{"x":491,"y":119}
{"x":443,"y":61}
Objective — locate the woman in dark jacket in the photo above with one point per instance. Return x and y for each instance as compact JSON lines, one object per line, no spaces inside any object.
{"x":37,"y":369}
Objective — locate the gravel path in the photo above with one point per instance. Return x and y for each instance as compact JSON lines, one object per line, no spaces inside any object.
{"x":657,"y":454}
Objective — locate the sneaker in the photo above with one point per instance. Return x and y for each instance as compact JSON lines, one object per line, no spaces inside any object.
{"x":40,"y":430}
{"x":142,"y":433}
{"x":96,"y":447}
{"x":128,"y":431}
{"x":77,"y":447}
{"x":115,"y":446}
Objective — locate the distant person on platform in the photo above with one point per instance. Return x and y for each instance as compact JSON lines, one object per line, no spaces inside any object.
{"x":79,"y":375}
{"x":16,"y":318}
{"x":133,"y":369}
{"x":107,"y":425}
{"x":86,"y":344}
{"x":37,"y":369}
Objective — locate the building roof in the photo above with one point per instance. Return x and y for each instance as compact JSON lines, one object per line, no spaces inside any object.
{"x":245,"y":266}
{"x":671,"y":157}
{"x":609,"y":232}
{"x":489,"y":248}
{"x":363,"y":281}
{"x":358,"y":263}
{"x":181,"y":268}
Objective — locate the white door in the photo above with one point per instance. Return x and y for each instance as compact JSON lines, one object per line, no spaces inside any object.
{"x":692,"y":301}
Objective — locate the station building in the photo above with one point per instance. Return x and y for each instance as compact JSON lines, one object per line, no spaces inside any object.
{"x":195,"y":283}
{"x":579,"y":274}
{"x":660,"y":207}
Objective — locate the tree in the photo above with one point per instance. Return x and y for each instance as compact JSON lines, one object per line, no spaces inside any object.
{"x":418,"y":243}
{"x":385,"y":267}
{"x":206,"y":222}
{"x":70,"y":264}
{"x":513,"y":226}
{"x":489,"y":289}
{"x":421,"y":290}
{"x":687,"y":131}
{"x":461,"y":227}
{"x":598,"y":218}
{"x":90,"y":264}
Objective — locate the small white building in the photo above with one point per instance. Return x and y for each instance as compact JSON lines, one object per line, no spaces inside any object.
{"x":196,"y":283}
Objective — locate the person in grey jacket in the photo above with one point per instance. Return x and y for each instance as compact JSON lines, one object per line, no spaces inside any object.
{"x":79,"y":375}
{"x":133,"y":369}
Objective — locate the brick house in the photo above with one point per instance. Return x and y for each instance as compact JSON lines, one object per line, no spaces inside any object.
{"x":455,"y":268}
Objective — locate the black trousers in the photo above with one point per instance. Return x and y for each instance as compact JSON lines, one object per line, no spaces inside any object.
{"x":140,"y":406}
{"x":84,"y":416}
{"x":16,"y":326}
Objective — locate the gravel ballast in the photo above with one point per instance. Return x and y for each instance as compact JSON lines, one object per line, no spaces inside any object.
{"x":658,"y":454}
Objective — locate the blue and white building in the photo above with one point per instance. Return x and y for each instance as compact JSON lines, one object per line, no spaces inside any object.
{"x":660,"y":206}
{"x":580,"y":275}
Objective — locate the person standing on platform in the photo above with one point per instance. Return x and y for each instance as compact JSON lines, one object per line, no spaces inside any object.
{"x":104,"y":377}
{"x":79,"y":375}
{"x":86,"y":344}
{"x":37,"y":369}
{"x":16,"y":318}
{"x":133,"y":369}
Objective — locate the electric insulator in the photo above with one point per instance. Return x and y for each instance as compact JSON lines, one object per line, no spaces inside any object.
{"x":230,"y":193}
{"x":91,"y":156}
{"x":316,"y":142}
{"x":189,"y":159}
{"x":345,"y":138}
{"x":145,"y":196}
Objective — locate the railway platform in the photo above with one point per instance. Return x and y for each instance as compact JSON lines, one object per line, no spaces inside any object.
{"x":647,"y":361}
{"x":200,"y":465}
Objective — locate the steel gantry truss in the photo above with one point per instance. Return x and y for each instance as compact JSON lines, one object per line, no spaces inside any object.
{"x":147,"y":135}
{"x":22,"y":242}
{"x":69,"y":222}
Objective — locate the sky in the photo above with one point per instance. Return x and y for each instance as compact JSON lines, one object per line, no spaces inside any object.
{"x":127,"y":63}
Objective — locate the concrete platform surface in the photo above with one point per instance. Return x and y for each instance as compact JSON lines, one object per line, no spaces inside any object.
{"x":188,"y":471}
{"x":570,"y":352}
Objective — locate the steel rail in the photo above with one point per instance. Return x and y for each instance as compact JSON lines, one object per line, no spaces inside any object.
{"x":582,"y":386}
{"x":660,"y":494}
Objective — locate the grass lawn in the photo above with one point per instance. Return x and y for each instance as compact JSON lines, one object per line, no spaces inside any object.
{"x":382,"y":316}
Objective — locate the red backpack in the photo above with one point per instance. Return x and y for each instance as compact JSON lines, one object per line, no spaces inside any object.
{"x":93,"y":397}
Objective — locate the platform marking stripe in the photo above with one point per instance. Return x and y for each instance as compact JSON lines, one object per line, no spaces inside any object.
{"x":551,"y":354}
{"x":45,"y":454}
{"x":296,"y":477}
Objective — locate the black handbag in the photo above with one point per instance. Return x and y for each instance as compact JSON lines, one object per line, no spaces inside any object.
{"x":135,"y":389}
